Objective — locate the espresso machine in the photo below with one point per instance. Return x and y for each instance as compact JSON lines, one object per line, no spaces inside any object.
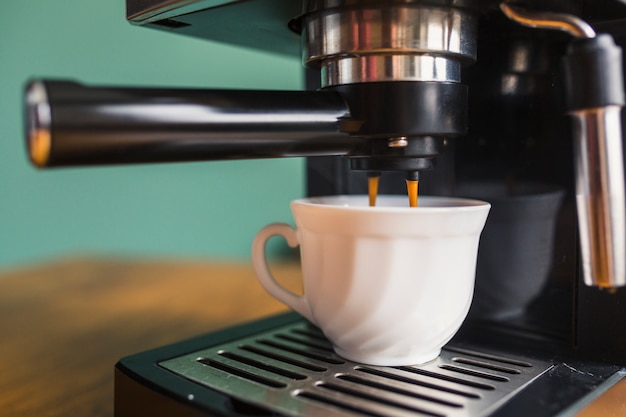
{"x":460,"y":94}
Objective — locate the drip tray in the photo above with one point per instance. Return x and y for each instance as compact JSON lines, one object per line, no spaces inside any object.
{"x":292,"y":370}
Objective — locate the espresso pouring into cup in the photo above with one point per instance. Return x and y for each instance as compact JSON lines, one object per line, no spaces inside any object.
{"x":389,"y":98}
{"x":388,"y":285}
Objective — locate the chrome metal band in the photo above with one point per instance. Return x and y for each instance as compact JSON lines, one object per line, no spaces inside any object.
{"x":399,"y":29}
{"x":600,"y":196}
{"x":373,"y":68}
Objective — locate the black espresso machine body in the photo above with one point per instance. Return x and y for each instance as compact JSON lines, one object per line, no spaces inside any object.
{"x":483,"y":108}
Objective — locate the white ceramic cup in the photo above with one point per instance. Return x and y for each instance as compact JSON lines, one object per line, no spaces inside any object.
{"x":388,"y":285}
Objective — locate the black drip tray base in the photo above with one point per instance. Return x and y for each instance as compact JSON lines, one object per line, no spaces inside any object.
{"x":284,"y":366}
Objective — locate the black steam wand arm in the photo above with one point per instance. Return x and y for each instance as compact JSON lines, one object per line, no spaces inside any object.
{"x":69,"y":124}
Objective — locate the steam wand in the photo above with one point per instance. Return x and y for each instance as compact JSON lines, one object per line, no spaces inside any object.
{"x":595,"y":94}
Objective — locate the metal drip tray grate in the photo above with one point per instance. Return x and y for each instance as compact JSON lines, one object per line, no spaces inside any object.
{"x":293,"y":371}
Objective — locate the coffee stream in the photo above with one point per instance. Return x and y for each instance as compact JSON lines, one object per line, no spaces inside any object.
{"x":411,"y":187}
{"x":372,"y":188}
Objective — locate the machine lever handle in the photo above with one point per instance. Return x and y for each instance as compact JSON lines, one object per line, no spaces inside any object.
{"x":71,"y":124}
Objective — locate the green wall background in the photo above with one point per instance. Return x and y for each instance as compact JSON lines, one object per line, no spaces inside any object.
{"x":208,"y":210}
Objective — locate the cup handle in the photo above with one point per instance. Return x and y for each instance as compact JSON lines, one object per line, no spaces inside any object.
{"x":296,"y":302}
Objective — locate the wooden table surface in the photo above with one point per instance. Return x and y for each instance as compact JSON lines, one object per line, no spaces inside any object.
{"x":64,"y":325}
